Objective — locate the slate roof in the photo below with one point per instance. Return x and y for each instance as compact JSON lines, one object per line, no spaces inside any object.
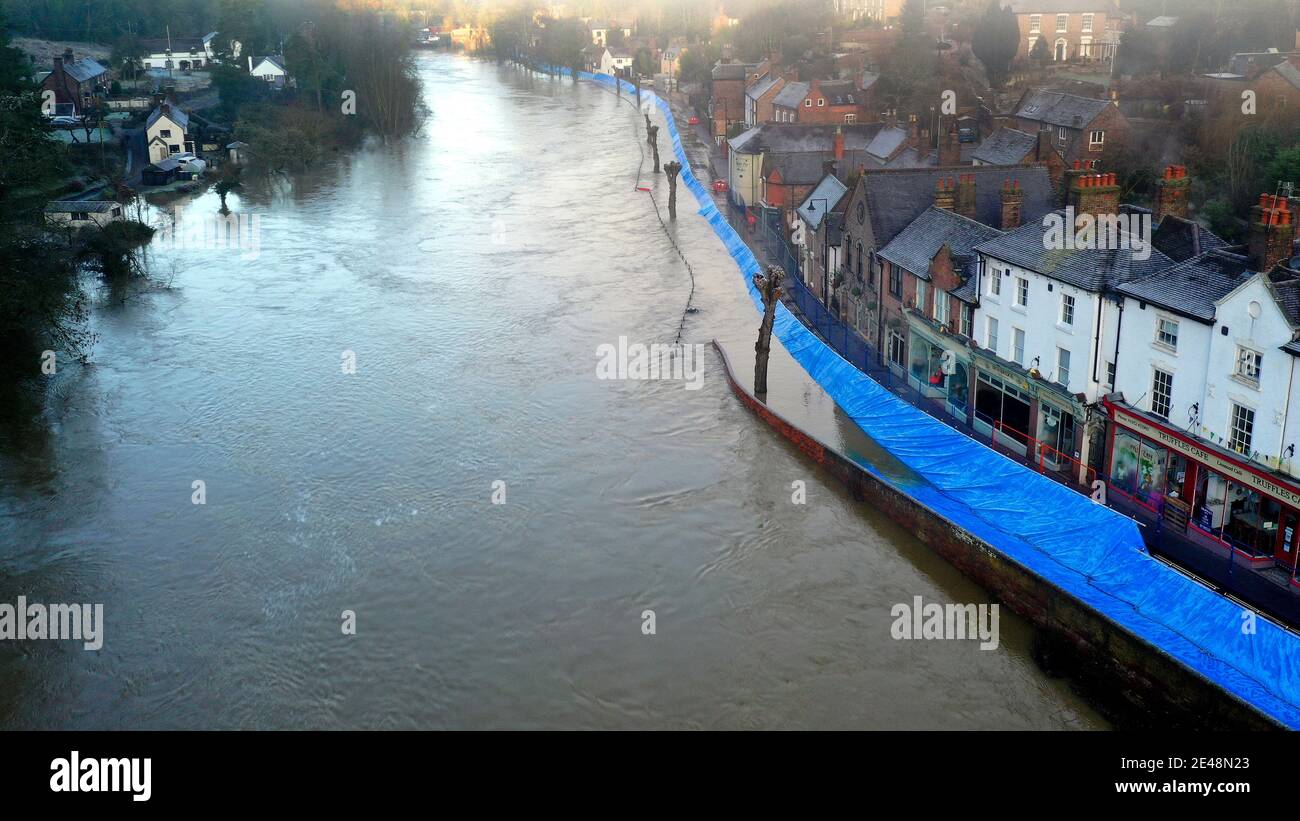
{"x":1289,"y":71}
{"x":825,"y":196}
{"x":886,"y":143}
{"x":1191,"y":288}
{"x":1181,"y":239}
{"x":732,"y":71}
{"x":177,"y":116}
{"x":791,"y":95}
{"x":787,"y":138}
{"x":1089,"y":269}
{"x":916,"y":245}
{"x":896,"y":197}
{"x":89,"y":206}
{"x":1006,"y":146}
{"x":804,"y":168}
{"x":84,"y":69}
{"x":179,"y":45}
{"x":1062,"y":6}
{"x":868,"y":80}
{"x":274,"y":59}
{"x":1059,"y":109}
{"x":758,"y":89}
{"x":839,"y":93}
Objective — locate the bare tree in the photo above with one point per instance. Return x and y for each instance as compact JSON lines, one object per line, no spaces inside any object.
{"x":770,"y":289}
{"x":673,"y":169}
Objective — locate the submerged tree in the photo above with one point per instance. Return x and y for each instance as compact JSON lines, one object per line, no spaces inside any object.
{"x":770,"y":289}
{"x":654,"y":144}
{"x":673,"y":169}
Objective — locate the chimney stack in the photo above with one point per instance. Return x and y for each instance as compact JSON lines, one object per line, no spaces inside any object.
{"x":950,"y":147}
{"x":839,"y":143}
{"x":1171,"y":193}
{"x":58,"y":65}
{"x":67,"y":56}
{"x":913,"y":132}
{"x":1074,"y":172}
{"x":1013,"y":198}
{"x":966,"y":196}
{"x":1094,"y":194}
{"x":1272,"y":233}
{"x":945,"y":194}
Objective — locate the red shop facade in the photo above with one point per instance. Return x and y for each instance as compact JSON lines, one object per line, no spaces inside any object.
{"x":1223,"y":496}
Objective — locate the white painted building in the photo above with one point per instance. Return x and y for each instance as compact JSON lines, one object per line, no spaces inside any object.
{"x":166,"y":132}
{"x":269,"y":68}
{"x":181,"y":53}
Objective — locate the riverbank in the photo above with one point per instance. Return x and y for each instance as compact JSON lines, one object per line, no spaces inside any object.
{"x":1068,"y":541}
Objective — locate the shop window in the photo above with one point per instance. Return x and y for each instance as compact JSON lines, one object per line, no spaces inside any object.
{"x":1237,"y":515}
{"x":959,"y":387}
{"x":1138,"y":468}
{"x":1242,"y":429}
{"x":1000,"y":405}
{"x":1056,"y":431}
{"x":1162,"y":391}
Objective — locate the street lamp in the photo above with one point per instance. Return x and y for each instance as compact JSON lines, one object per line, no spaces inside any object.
{"x":826,"y":280}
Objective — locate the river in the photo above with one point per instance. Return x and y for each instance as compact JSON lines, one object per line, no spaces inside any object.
{"x":472,"y":272}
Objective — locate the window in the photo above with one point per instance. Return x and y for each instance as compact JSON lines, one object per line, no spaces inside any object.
{"x":1067,"y":309}
{"x":164,"y":132}
{"x":1018,"y":345}
{"x":896,"y":281}
{"x":921,"y":302}
{"x":807,"y":103}
{"x":1248,"y":364}
{"x":1110,"y":374}
{"x":850,"y":119}
{"x":1062,"y":22}
{"x":1062,"y":135}
{"x":859,"y":262}
{"x":896,"y":350}
{"x":940,"y":307}
{"x":1035,"y":23}
{"x":1087,"y":23}
{"x":821,"y":102}
{"x":991,"y":340}
{"x":80,"y":216}
{"x":967,"y":319}
{"x":1243,"y":428}
{"x":995,"y":283}
{"x":1162,"y":391}
{"x":1167,"y":333}
{"x":1063,"y":366}
{"x":1096,"y":139}
{"x":1022,"y":292}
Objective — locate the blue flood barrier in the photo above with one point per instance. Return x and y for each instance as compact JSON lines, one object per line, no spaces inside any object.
{"x":1085,"y":549}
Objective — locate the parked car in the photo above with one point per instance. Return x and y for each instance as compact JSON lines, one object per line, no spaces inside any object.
{"x":64,"y":121}
{"x":720,"y":186}
{"x":693,"y":120}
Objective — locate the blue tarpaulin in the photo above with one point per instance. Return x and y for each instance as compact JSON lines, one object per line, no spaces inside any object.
{"x":1087,"y":550}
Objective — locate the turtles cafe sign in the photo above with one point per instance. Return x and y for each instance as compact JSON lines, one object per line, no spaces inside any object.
{"x":1231,"y":469}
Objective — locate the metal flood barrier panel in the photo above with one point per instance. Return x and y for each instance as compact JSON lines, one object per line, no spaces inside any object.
{"x":1084,"y":548}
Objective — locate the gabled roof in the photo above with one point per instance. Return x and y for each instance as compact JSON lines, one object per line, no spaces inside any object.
{"x":1181,"y":239}
{"x":174,"y":114}
{"x":758,"y":89}
{"x":896,"y":197}
{"x":918,"y":243}
{"x":1289,"y":71}
{"x":840,"y":92}
{"x":788,"y":138}
{"x":274,"y":59}
{"x":178,"y":45}
{"x":868,"y":80}
{"x":84,"y":69}
{"x":822,"y":198}
{"x":887,"y":143}
{"x":792,"y":95}
{"x":1090,"y":269}
{"x":1059,"y":109}
{"x":1194,"y":287}
{"x":1006,"y":146}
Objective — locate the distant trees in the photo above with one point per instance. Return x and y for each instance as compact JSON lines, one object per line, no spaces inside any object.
{"x":996,"y":41}
{"x":910,"y":78}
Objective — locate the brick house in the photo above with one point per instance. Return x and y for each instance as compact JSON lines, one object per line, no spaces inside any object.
{"x":1081,"y":128}
{"x":727,"y":105}
{"x":1073,"y":29}
{"x":883,"y":203}
{"x":1009,"y":146}
{"x":1277,"y":91}
{"x":75,"y":82}
{"x":821,"y":101}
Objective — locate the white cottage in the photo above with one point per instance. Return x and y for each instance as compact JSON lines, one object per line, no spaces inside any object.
{"x":269,"y":68}
{"x":165,"y":132}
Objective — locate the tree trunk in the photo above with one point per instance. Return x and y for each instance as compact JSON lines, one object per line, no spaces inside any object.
{"x":654,"y":144}
{"x":673,"y":169}
{"x":770,"y":289}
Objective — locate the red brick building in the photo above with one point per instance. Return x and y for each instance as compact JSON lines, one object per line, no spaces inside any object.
{"x":75,"y":82}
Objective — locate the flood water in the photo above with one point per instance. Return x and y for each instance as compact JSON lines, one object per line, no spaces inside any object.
{"x":473,"y":271}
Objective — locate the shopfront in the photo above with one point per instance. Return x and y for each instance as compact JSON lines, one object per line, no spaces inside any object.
{"x":1230,"y":501}
{"x":939,"y":368}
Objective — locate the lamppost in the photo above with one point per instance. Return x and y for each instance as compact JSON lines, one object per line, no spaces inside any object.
{"x":826,"y":280}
